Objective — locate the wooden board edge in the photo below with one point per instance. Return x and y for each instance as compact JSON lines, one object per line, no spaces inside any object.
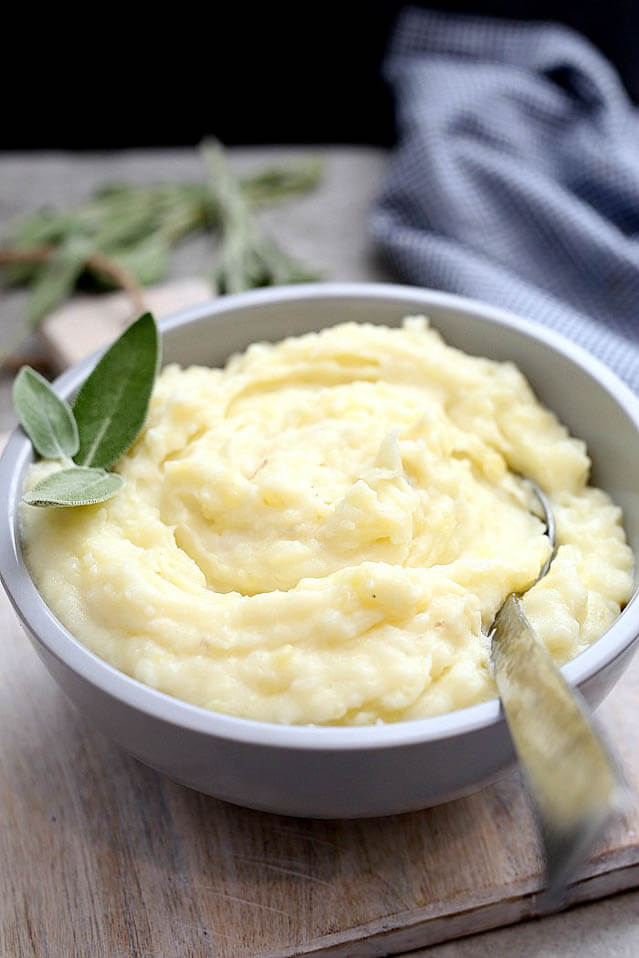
{"x":365,"y":942}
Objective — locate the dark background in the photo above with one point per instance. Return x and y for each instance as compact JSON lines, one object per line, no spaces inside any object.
{"x":103,"y":78}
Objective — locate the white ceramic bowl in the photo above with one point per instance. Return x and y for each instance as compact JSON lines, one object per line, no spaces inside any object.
{"x":338,"y":772}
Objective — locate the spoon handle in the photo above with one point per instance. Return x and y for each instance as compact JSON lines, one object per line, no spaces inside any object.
{"x":571,"y":775}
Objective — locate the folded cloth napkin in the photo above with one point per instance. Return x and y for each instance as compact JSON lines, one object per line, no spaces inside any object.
{"x":516,"y":176}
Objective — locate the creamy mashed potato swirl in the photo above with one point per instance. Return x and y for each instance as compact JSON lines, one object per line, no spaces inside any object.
{"x":322,"y":532}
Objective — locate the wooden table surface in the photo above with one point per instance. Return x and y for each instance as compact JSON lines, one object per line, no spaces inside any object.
{"x":102,"y":856}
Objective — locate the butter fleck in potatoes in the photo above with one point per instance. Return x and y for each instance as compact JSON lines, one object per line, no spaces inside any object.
{"x":322,"y":531}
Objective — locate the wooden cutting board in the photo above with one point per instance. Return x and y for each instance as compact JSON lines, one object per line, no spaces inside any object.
{"x":102,"y":856}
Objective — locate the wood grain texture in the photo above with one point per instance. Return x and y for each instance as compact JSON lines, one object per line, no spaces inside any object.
{"x":102,"y":856}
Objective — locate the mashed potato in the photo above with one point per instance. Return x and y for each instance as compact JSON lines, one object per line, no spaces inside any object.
{"x":323,"y":531}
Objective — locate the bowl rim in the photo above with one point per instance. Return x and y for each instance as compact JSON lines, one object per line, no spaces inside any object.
{"x":63,"y":646}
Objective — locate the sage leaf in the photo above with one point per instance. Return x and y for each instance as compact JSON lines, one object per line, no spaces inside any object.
{"x":280,"y":182}
{"x":74,"y":487}
{"x":148,"y":260}
{"x":111,"y":406}
{"x":247,"y":258}
{"x":45,"y":417}
{"x":57,"y":278}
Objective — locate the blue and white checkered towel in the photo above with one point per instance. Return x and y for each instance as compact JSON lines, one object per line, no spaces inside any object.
{"x":516,"y":176}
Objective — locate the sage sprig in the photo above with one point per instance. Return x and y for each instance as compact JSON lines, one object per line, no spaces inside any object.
{"x":104,"y":421}
{"x":122,"y":236}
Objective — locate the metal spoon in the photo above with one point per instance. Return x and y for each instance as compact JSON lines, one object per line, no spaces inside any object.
{"x":571,"y":774}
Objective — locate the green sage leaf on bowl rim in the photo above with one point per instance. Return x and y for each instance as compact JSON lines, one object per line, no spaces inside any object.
{"x":45,"y":417}
{"x":77,"y":486}
{"x":112,"y":404}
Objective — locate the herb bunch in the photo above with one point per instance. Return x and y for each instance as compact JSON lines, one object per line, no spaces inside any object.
{"x":122,"y":236}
